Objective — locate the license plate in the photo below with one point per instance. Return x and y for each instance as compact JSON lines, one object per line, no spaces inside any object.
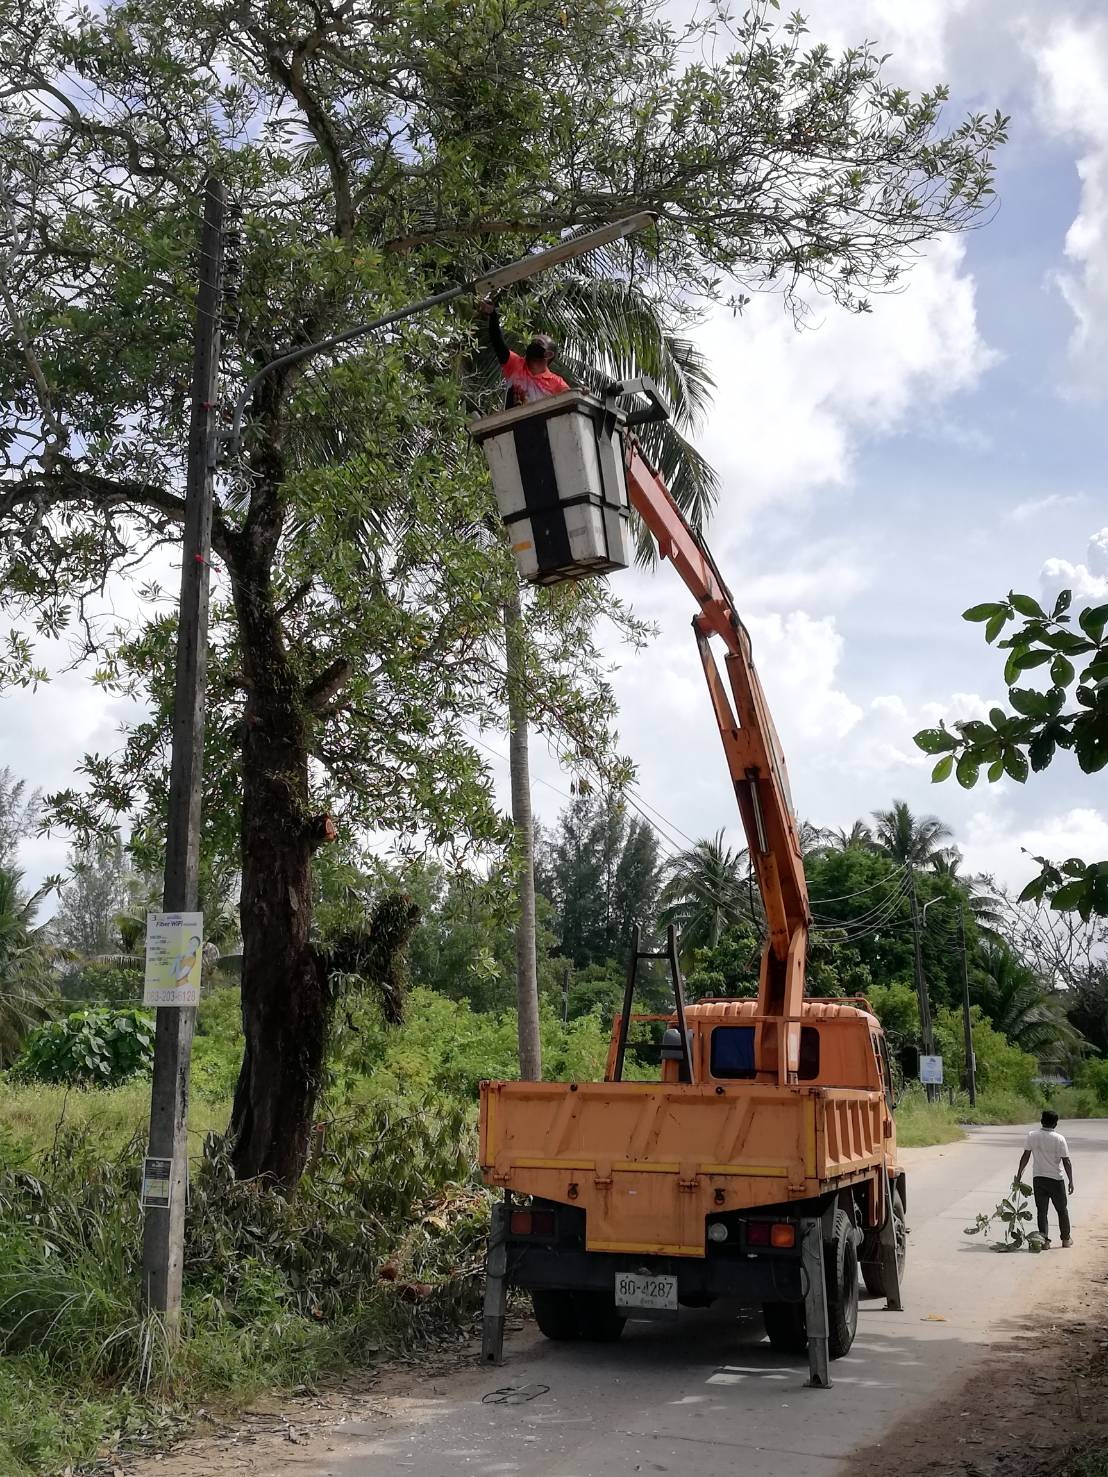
{"x":633,"y":1290}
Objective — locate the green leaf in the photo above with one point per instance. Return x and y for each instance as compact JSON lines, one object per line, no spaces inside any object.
{"x":1025,"y":660}
{"x":1062,"y":604}
{"x":995,"y":625}
{"x":1093,"y":620}
{"x":998,"y":718}
{"x":968,"y":766}
{"x":1030,"y":703}
{"x":1015,"y":763}
{"x":1041,"y":749}
{"x":996,"y":769}
{"x":935,"y":740}
{"x":1027,"y":606}
{"x":1072,"y":895}
{"x":1061,"y":671}
{"x":942,"y":770}
{"x":985,"y":612}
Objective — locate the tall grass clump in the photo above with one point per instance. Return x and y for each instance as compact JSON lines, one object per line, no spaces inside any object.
{"x":380,"y":1248}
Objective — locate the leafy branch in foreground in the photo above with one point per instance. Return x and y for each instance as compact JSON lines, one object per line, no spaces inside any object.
{"x":1012,"y":1212}
{"x":1042,"y":721}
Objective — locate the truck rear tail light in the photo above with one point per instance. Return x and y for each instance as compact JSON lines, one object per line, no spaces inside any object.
{"x":778,"y":1234}
{"x":532,"y":1223}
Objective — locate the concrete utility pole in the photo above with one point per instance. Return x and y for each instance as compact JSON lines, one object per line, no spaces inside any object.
{"x":967,"y":1023}
{"x":164,"y":1226}
{"x":927,"y":1034}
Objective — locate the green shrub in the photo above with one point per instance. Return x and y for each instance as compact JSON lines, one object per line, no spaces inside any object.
{"x":1093,"y":1078}
{"x":101,"y":1047}
{"x":1001,"y":1067}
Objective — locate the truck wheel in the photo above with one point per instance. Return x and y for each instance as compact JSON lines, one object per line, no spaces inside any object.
{"x":841,"y":1270}
{"x":597,"y":1318}
{"x":872,"y":1273}
{"x":556,"y":1314}
{"x":785,"y":1327}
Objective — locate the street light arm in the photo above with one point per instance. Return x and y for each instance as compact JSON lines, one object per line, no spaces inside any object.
{"x":517,"y":271}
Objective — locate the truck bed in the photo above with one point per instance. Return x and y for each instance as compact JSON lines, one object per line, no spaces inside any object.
{"x":620,"y":1151}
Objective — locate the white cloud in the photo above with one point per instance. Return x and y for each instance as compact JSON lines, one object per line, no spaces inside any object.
{"x":1001,"y":845}
{"x":1088,"y":581}
{"x":793,"y":408}
{"x":1033,"y":507}
{"x":1073,"y":103}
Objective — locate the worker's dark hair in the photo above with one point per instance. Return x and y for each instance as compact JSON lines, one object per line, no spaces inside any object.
{"x":1050,"y":1118}
{"x":542,"y":346}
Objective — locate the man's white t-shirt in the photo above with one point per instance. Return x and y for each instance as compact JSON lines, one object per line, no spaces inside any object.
{"x":1048,"y":1149}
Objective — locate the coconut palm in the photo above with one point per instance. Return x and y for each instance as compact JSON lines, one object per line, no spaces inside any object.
{"x":705,"y":890}
{"x":911,"y":840}
{"x":27,"y":980}
{"x":858,"y":838}
{"x":1031,"y":1017}
{"x":979,"y":892}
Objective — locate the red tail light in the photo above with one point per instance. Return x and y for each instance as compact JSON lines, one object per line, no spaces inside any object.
{"x":779,"y":1234}
{"x":532,"y":1223}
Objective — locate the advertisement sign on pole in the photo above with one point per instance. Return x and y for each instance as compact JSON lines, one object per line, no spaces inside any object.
{"x":174,"y":957}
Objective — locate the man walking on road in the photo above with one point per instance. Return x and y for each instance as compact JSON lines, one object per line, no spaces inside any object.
{"x":1050,"y":1155}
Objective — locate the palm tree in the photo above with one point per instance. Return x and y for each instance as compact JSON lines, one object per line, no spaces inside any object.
{"x":858,"y":838}
{"x":27,"y":980}
{"x":704,"y":892}
{"x":912,"y":840}
{"x":1020,"y":1008}
{"x":979,"y":892}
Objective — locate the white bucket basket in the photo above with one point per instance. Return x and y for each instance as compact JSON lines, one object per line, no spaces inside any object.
{"x":558,"y":475}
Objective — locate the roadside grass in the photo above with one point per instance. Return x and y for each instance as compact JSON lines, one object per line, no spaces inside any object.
{"x":920,"y":1124}
{"x":380,"y":1250}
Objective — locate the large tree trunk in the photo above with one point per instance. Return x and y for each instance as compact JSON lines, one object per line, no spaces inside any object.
{"x":527,"y":983}
{"x":286,"y":1001}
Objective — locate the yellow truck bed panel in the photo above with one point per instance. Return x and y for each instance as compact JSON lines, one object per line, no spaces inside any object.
{"x":648,"y":1161}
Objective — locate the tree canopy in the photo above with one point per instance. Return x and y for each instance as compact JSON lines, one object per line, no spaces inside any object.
{"x":373,"y":155}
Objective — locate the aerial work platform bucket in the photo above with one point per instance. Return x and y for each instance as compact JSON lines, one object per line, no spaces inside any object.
{"x":557,"y":471}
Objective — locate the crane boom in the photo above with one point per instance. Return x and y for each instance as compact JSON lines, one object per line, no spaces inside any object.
{"x":754,"y":758}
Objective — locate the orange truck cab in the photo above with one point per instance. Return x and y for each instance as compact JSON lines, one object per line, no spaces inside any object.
{"x":761,"y":1164}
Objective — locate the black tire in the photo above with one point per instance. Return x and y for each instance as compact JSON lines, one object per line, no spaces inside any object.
{"x":841,"y":1272}
{"x":785,"y":1327}
{"x":872,"y":1272}
{"x":556,"y":1315}
{"x":597,"y":1318}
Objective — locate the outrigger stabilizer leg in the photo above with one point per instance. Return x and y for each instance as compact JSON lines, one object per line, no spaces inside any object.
{"x":496,"y":1287}
{"x":815,"y":1304}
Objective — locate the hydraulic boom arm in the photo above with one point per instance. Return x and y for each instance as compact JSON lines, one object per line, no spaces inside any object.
{"x":754,"y":759}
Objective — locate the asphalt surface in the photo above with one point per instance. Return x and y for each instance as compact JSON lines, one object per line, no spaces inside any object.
{"x":707,"y":1396}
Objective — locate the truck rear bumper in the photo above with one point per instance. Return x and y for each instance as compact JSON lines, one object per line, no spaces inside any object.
{"x":753,"y":1279}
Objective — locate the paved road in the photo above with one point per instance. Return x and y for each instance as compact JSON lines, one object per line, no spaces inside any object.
{"x":707,"y":1396}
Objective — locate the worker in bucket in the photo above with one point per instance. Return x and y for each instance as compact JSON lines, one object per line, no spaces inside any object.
{"x":529,"y":374}
{"x":1050,"y":1156}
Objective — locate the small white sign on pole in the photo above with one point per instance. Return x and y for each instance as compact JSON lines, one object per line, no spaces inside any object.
{"x":174,"y":958}
{"x":931,"y":1071}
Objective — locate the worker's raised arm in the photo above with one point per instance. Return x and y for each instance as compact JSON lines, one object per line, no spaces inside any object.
{"x":1024,"y":1161}
{"x":496,"y":336}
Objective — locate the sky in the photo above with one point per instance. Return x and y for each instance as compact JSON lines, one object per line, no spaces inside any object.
{"x":879,"y":474}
